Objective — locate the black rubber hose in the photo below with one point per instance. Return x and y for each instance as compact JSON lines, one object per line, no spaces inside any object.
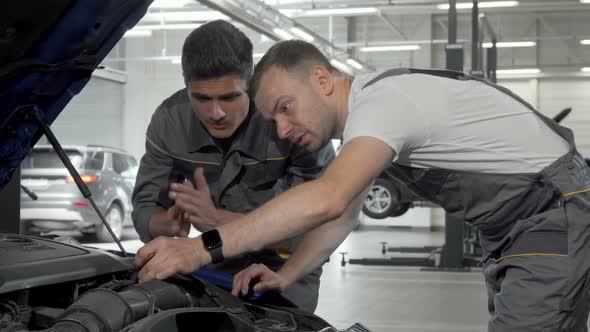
{"x":104,"y":310}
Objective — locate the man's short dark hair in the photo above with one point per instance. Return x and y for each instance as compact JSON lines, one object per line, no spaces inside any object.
{"x":216,"y":49}
{"x":295,"y":56}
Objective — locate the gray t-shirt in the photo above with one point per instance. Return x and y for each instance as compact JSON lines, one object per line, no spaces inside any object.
{"x":436,"y":122}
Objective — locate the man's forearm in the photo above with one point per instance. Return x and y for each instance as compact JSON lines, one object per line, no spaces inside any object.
{"x":313,"y":251}
{"x":320,"y":203}
{"x":224,"y":216}
{"x":319,"y":243}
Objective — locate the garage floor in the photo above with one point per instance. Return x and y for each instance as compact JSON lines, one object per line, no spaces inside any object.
{"x":397,"y":299}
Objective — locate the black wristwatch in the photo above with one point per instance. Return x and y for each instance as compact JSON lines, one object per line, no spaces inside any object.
{"x":212,"y":242}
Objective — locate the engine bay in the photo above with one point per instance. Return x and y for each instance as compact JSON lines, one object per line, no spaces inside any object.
{"x":53,"y":286}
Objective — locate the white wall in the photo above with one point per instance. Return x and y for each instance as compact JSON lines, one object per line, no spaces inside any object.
{"x":149,"y":83}
{"x":527,"y":89}
{"x":556,"y":94}
{"x":94,"y":116}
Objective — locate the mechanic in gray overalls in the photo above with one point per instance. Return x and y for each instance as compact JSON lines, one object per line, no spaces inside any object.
{"x":245,"y":164}
{"x":476,"y":149}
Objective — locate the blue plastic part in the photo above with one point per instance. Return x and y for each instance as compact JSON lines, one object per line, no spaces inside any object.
{"x":219,"y":279}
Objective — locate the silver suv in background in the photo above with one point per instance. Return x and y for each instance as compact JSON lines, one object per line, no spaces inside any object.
{"x":108,"y":172}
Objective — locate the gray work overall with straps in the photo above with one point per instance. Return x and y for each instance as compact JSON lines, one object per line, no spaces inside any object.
{"x":534,"y":229}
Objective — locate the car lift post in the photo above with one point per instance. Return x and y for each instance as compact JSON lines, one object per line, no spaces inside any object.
{"x":452,"y":250}
{"x":454,"y":50}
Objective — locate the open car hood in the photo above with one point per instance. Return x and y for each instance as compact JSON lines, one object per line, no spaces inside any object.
{"x":48,"y":51}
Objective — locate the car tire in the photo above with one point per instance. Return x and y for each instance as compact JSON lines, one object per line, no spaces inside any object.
{"x":114,"y":218}
{"x":383,"y":200}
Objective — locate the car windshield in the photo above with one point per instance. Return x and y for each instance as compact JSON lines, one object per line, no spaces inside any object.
{"x":47,"y":158}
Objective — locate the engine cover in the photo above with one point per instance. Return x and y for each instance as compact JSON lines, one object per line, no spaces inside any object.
{"x":28,"y":262}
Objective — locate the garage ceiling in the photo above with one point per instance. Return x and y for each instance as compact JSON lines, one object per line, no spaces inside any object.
{"x":545,"y":34}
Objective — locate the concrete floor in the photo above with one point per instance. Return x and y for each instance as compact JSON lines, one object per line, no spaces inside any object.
{"x":395,"y":298}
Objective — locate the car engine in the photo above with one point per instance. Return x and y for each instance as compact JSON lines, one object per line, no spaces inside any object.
{"x":54,"y":286}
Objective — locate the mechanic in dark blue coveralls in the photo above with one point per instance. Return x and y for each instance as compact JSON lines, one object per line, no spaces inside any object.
{"x":474,"y":148}
{"x":209,"y":132}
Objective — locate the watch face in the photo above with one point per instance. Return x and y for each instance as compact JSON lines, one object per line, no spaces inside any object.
{"x":211,"y":239}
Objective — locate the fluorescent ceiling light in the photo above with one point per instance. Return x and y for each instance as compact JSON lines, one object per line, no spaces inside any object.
{"x":187,"y":26}
{"x":585,"y":41}
{"x":304,"y":35}
{"x":257,"y":55}
{"x":233,"y":2}
{"x":282,"y":34}
{"x":390,"y":48}
{"x":354,"y":63}
{"x":291,"y":12}
{"x":175,"y":61}
{"x":340,"y":66}
{"x":496,"y":4}
{"x":584,"y":1}
{"x":196,"y":16}
{"x":585,"y":70}
{"x":161,"y":4}
{"x":485,"y":4}
{"x":339,"y":11}
{"x":510,"y":44}
{"x":137,"y":33}
{"x":518,"y":71}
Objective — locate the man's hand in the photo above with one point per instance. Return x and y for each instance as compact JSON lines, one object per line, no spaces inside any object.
{"x":268,"y":280}
{"x":196,"y":203}
{"x":163,"y":257}
{"x":170,"y":223}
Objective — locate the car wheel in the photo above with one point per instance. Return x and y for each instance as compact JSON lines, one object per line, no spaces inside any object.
{"x":382,"y":199}
{"x":114,"y":218}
